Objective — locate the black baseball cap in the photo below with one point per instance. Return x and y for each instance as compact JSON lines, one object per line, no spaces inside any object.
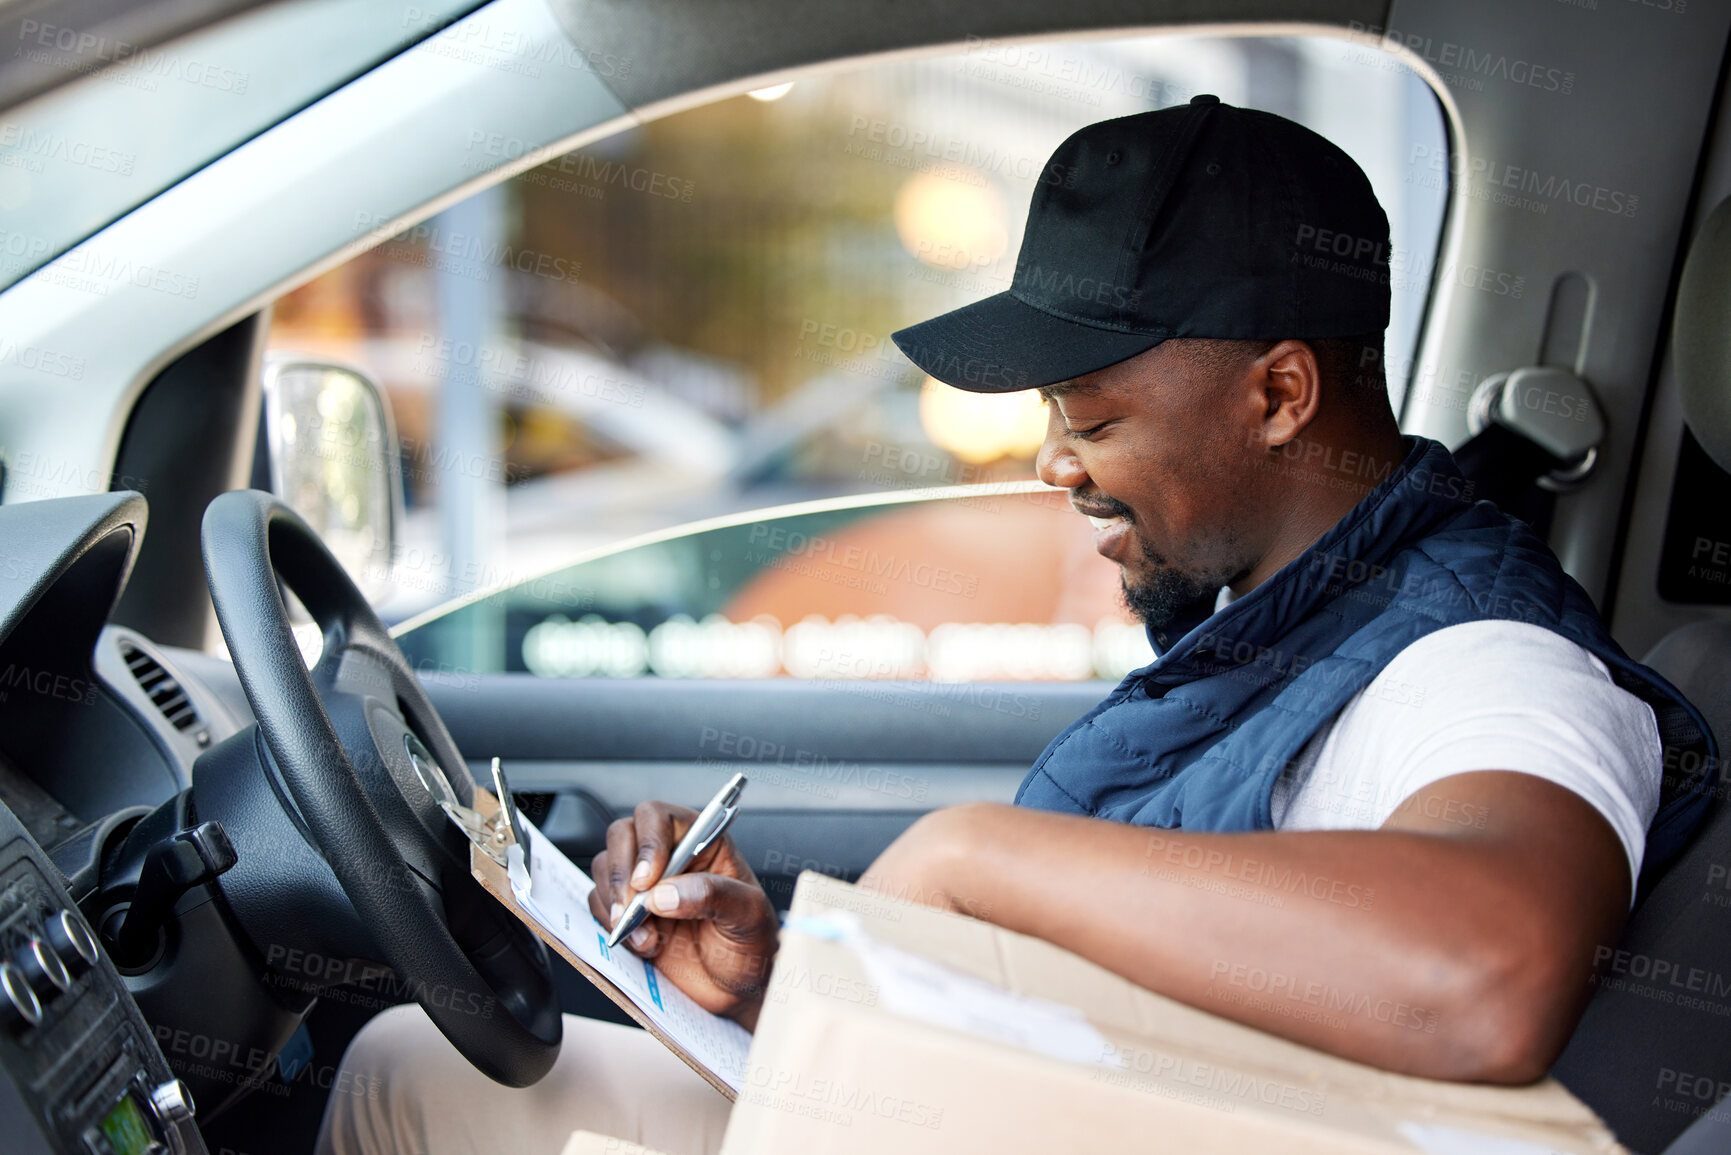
{"x":1201,"y":220}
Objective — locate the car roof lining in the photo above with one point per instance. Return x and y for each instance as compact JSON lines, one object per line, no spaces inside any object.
{"x":700,"y":46}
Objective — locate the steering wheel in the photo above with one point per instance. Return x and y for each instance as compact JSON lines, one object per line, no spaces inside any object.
{"x":363,"y":788}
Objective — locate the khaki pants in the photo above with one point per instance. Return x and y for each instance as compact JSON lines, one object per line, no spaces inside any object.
{"x":408,"y":1092}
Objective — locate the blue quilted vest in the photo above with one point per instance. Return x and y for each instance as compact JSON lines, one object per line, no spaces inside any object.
{"x":1197,"y":739}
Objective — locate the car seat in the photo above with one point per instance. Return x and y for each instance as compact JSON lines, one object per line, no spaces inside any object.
{"x":1652,"y":1054}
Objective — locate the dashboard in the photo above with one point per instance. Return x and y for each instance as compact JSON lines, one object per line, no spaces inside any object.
{"x":96,"y":733}
{"x":81,"y":1071}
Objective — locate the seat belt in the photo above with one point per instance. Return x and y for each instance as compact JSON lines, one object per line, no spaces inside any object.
{"x":1535,"y":431}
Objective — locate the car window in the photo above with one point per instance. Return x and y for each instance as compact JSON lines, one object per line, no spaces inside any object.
{"x":691,"y":319}
{"x":986,"y":583}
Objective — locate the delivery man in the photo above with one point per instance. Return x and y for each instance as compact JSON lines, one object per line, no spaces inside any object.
{"x":1388,"y":745}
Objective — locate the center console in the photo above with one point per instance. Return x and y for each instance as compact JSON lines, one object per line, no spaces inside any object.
{"x":80,"y":1073}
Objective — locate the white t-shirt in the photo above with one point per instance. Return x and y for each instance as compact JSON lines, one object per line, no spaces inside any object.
{"x":1480,"y":696}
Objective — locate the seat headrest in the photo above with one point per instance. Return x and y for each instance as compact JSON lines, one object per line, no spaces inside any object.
{"x":1701,"y":336}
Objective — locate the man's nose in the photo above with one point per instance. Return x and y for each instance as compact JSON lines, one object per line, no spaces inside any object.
{"x":1056,"y":463}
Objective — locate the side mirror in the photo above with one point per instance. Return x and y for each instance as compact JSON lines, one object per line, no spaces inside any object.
{"x":334,"y":458}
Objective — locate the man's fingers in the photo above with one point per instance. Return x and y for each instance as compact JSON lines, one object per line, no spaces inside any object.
{"x":613,"y":866}
{"x":657,"y":827}
{"x":737,"y":908}
{"x":647,"y":940}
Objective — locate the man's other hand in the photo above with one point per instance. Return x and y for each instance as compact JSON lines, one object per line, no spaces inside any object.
{"x":710,"y":930}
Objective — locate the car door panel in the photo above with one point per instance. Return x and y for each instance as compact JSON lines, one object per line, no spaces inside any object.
{"x":837,"y":769}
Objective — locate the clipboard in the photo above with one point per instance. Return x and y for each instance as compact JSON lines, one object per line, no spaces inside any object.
{"x":494,"y":879}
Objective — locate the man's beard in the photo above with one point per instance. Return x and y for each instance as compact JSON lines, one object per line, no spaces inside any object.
{"x":1166,"y":594}
{"x":1162,"y":591}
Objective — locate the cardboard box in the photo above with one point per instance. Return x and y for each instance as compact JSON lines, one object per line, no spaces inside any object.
{"x":589,"y":1143}
{"x":832,"y":1070}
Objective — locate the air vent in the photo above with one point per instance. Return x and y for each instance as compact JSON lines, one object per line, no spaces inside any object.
{"x":164,"y":691}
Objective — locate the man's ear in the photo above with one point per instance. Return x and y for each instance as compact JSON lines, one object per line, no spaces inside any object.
{"x":1290,"y":382}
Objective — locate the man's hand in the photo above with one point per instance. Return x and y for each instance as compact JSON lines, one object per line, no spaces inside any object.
{"x":711,"y":930}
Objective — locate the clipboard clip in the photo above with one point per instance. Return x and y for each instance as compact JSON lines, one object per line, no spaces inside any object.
{"x":495,"y":835}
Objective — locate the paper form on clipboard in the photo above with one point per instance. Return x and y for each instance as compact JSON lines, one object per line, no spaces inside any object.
{"x":552,"y":897}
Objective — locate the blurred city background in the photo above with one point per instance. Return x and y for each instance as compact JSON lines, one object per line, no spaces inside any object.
{"x":690,"y":320}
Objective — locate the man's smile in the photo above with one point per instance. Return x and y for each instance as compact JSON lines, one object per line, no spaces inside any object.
{"x":1111,"y":537}
{"x":1112,"y":525}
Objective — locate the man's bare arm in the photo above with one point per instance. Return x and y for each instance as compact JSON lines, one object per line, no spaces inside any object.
{"x":1456,"y":942}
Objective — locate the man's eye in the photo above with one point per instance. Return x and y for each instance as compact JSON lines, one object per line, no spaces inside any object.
{"x":1088,"y":432}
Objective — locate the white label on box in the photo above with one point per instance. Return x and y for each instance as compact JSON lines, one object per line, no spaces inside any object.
{"x":1433,"y":1139}
{"x":558,"y":898}
{"x":918,"y":988}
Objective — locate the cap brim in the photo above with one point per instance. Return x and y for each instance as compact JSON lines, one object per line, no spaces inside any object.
{"x":1003,"y":344}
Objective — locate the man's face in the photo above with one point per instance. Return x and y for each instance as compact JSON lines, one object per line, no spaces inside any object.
{"x":1155,"y":452}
